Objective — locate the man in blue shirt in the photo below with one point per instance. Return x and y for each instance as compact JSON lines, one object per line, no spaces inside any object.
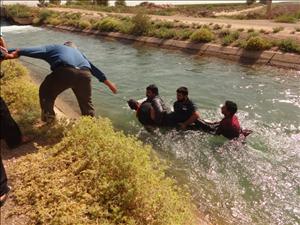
{"x":70,"y":69}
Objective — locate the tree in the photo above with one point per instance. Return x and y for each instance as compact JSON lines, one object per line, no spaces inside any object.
{"x":120,"y":3}
{"x":269,"y":8}
{"x":250,"y":2}
{"x":55,"y":2}
{"x":101,"y":2}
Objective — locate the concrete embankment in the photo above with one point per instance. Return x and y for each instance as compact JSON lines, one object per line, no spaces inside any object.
{"x":272,"y":58}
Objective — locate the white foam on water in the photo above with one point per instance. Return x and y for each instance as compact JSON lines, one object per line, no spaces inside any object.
{"x":19,"y":29}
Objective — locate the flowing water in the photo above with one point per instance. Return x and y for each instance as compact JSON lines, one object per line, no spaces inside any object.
{"x":233,"y":183}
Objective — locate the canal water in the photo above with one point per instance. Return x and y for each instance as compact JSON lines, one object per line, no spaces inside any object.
{"x":232,"y":183}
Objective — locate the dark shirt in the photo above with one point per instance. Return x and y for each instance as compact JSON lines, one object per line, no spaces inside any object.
{"x":62,"y":55}
{"x":183,"y":110}
{"x":159,"y":107}
{"x":229,"y":127}
{"x":144,"y":114}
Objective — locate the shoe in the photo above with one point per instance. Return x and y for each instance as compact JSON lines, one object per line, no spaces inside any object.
{"x":4,"y":197}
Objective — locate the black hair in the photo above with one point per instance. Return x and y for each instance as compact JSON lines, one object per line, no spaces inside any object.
{"x":133,"y":104}
{"x":183,"y":90}
{"x":153,"y":88}
{"x":231,"y":107}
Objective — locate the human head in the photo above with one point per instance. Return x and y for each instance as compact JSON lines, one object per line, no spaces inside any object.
{"x":133,"y":104}
{"x":151,"y":91}
{"x":70,"y":44}
{"x":182,"y":94}
{"x":229,"y":108}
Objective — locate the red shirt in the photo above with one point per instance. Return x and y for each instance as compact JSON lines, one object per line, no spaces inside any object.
{"x":229,"y":127}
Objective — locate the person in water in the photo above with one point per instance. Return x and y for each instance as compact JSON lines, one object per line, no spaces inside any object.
{"x":144,"y":112}
{"x":70,"y":69}
{"x":229,"y":126}
{"x":158,"y":106}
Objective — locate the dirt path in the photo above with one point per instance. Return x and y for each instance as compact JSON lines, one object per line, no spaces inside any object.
{"x":232,"y":13}
{"x":266,"y":25}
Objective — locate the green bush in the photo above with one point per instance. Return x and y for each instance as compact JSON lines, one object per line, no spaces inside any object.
{"x":165,"y":24}
{"x":98,"y":176}
{"x":141,"y":24}
{"x":289,"y":45}
{"x":202,"y":35}
{"x":164,"y":33}
{"x":84,"y":24}
{"x":54,"y":21}
{"x":108,"y":24}
{"x":230,"y":38}
{"x":258,"y":43}
{"x":44,"y":14}
{"x":184,"y":34}
{"x":286,"y":18}
{"x":18,"y":10}
{"x":277,"y":29}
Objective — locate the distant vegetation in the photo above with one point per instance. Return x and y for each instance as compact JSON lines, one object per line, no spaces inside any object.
{"x":141,"y":24}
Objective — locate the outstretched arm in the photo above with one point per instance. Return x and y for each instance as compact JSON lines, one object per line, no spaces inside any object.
{"x":111,"y":86}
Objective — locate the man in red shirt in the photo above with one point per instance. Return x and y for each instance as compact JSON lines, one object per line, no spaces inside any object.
{"x":229,"y":126}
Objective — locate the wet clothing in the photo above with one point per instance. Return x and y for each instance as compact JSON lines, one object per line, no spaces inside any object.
{"x":9,"y":129}
{"x":144,"y":114}
{"x":159,"y":107}
{"x":61,"y":55}
{"x":70,"y":69}
{"x":229,"y":127}
{"x":61,"y":79}
{"x":182,"y":112}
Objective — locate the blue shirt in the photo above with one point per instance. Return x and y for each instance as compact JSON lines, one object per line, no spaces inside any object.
{"x":62,"y":55}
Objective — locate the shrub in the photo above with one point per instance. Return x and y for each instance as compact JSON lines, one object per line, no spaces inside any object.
{"x":231,"y":37}
{"x":258,"y":43}
{"x":126,"y":27}
{"x":98,"y":176}
{"x":165,"y":24}
{"x":224,"y":33}
{"x":108,"y":24}
{"x":241,"y":29}
{"x":217,"y":27}
{"x":286,"y":18}
{"x":277,"y":29}
{"x":202,"y":35}
{"x":164,"y":33}
{"x":44,"y":14}
{"x":18,"y":10}
{"x":184,"y":34}
{"x":84,"y":24}
{"x":54,"y":21}
{"x":297,"y":29}
{"x":120,"y":3}
{"x":289,"y":45}
{"x":250,"y":30}
{"x":141,"y":24}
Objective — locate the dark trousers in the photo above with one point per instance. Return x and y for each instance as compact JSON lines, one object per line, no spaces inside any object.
{"x":9,"y":129}
{"x":3,"y":179}
{"x":61,"y":79}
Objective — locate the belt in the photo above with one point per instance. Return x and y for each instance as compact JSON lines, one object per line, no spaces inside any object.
{"x":69,"y":66}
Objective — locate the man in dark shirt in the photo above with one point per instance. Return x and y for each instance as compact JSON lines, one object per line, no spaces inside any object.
{"x":144,"y":112}
{"x":70,"y":69}
{"x":185,"y":111}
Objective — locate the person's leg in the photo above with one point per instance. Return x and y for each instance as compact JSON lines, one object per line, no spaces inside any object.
{"x":55,"y":83}
{"x":4,"y":189}
{"x":9,"y":129}
{"x":83,"y":93}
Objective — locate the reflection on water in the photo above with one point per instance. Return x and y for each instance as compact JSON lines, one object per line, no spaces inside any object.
{"x":234,"y":183}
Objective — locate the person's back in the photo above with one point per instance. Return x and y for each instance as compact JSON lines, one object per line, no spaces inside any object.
{"x":144,"y":114}
{"x":183,"y":110}
{"x":229,"y":127}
